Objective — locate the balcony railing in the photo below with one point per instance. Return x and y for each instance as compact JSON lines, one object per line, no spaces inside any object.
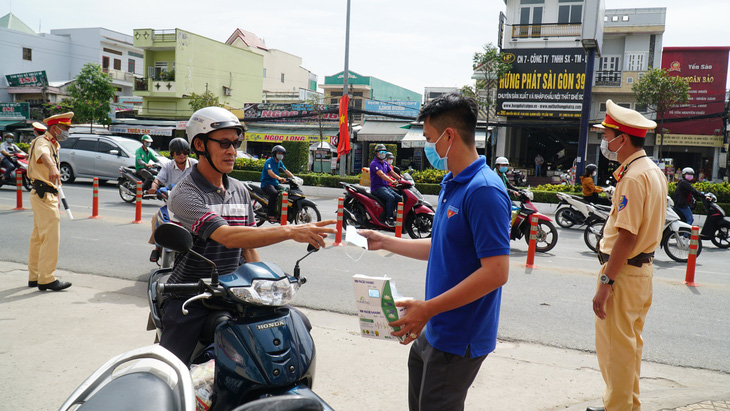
{"x":608,"y":78}
{"x":119,"y":75}
{"x":154,"y":85}
{"x":521,"y":31}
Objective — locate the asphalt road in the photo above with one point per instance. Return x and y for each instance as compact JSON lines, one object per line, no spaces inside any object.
{"x":551,"y":305}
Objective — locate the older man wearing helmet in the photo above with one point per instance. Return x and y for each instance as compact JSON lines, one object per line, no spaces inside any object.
{"x":218,"y":211}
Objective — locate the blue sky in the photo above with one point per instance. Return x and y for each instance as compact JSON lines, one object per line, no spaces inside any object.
{"x":412,"y":43}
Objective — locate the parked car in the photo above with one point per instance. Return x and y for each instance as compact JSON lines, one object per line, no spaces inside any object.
{"x":94,"y":155}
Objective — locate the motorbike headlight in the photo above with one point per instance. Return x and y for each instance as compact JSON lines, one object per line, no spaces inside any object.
{"x":267,"y":292}
{"x":529,"y":194}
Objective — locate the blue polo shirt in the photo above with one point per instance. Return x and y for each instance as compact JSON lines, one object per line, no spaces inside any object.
{"x":472,"y":221}
{"x":276,"y":167}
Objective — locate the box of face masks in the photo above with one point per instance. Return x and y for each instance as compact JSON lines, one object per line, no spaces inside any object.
{"x":375,"y":298}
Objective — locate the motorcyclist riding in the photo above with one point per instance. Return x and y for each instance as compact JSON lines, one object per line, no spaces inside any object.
{"x":142,"y":165}
{"x":684,"y":196}
{"x":8,"y":152}
{"x":501,"y":165}
{"x":270,"y":178}
{"x":168,"y":176}
{"x":590,"y":190}
{"x":390,"y":159}
{"x":218,"y":211}
{"x":381,"y":177}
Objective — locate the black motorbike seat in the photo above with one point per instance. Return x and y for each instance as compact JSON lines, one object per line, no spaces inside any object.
{"x":135,"y":391}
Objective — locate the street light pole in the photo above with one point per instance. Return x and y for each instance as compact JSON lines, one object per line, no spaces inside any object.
{"x":343,"y":157}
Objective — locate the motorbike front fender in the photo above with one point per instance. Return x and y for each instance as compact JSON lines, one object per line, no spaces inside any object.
{"x":422,"y":209}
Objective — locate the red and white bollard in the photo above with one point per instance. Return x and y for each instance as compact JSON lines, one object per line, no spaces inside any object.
{"x":138,"y":214}
{"x":694,"y":242}
{"x":284,"y":207}
{"x":399,"y":220}
{"x":340,"y":217}
{"x":533,"y":243}
{"x":95,"y":200}
{"x":19,"y":192}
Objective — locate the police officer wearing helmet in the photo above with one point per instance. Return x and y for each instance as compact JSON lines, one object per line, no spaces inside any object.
{"x":143,"y":157}
{"x":44,"y":173}
{"x":590,"y":190}
{"x":270,"y":179}
{"x":169,"y":176}
{"x":381,"y":177}
{"x":501,"y":165}
{"x":218,"y":211}
{"x":685,"y":195}
{"x":631,"y":234}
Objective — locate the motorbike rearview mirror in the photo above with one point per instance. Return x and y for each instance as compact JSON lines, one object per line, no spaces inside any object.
{"x":311,"y":248}
{"x":174,"y":237}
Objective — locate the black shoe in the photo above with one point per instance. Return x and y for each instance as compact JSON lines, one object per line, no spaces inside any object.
{"x":55,"y":286}
{"x":390,"y":222}
{"x":155,"y":255}
{"x":595,"y":409}
{"x":32,"y":284}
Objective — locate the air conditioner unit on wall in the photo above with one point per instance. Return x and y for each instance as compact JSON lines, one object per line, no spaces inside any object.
{"x":227,"y":91}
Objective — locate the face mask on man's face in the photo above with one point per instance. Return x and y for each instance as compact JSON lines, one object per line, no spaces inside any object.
{"x":9,"y":140}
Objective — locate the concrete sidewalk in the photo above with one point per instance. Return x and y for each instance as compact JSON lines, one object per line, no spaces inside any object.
{"x":51,"y":341}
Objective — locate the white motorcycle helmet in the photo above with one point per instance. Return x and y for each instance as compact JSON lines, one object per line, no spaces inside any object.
{"x":688,"y":170}
{"x":209,"y":119}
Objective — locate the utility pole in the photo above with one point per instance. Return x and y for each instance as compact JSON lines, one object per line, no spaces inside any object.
{"x":585,"y":113}
{"x":343,"y":158}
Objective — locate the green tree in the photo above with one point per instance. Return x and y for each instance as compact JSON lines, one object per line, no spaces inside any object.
{"x":660,"y":92}
{"x":63,"y":106}
{"x":92,"y":92}
{"x":207,"y":99}
{"x":488,"y":66}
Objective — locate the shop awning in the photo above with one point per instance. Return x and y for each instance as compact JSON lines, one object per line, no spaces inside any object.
{"x":374,"y":130}
{"x":6,"y":123}
{"x":415,"y":139}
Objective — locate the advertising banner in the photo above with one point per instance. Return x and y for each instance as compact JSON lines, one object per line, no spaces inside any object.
{"x":277,"y":138}
{"x":542,"y":83}
{"x":401,"y":108}
{"x":275,"y":112}
{"x":705,"y":70}
{"x":14,"y":111}
{"x":31,"y":79}
{"x":151,"y":130}
{"x":693,"y":140}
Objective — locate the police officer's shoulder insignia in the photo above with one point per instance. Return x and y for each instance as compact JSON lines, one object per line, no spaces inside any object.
{"x":622,"y":203}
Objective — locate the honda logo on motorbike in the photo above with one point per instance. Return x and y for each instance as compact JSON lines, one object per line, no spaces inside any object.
{"x":271,"y":325}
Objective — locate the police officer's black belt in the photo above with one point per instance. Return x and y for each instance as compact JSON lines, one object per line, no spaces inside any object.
{"x":41,"y":188}
{"x":637,"y":261}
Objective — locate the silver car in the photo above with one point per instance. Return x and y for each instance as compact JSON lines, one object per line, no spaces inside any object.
{"x":94,"y":155}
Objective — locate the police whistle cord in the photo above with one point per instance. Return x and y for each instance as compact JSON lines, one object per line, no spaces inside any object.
{"x":689,"y":278}
{"x":530,"y":263}
{"x":19,"y":192}
{"x":340,"y":217}
{"x":399,"y":220}
{"x":65,"y":204}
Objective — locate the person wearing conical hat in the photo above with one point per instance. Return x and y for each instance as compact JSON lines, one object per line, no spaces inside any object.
{"x":626,"y":252}
{"x":43,"y":171}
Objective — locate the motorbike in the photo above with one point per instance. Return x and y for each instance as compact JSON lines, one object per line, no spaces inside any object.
{"x":261,"y":346}
{"x":597,"y":216}
{"x":573,"y":210}
{"x":547,"y":234}
{"x":363,"y":210}
{"x":167,"y":256}
{"x":127,"y":182}
{"x":518,"y":178}
{"x":675,"y":237}
{"x":300,"y":209}
{"x":153,"y":378}
{"x":717,"y":226}
{"x":21,"y":167}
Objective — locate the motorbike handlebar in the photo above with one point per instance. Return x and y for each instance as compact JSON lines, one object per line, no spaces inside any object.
{"x":178,"y":288}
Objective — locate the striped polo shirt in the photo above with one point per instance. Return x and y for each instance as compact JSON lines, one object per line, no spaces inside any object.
{"x":201,"y":207}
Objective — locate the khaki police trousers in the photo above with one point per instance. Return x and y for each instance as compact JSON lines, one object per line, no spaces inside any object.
{"x":618,"y":337}
{"x":45,"y":238}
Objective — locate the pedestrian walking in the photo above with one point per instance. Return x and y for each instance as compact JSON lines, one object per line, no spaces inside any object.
{"x":455,"y":328}
{"x":631,"y":234}
{"x":44,"y":173}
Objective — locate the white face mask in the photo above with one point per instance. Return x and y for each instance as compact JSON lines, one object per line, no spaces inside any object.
{"x":390,"y":161}
{"x":610,"y":155}
{"x":146,"y":144}
{"x":279,"y":157}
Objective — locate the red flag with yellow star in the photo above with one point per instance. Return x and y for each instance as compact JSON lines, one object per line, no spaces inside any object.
{"x":343,"y":144}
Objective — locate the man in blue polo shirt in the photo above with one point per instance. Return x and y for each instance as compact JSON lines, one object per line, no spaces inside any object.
{"x":455,"y":328}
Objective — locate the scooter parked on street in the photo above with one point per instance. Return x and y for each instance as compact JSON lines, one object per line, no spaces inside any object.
{"x":261,"y":346}
{"x":21,"y":167}
{"x":547,"y":234}
{"x":363,"y":210}
{"x":300,"y":210}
